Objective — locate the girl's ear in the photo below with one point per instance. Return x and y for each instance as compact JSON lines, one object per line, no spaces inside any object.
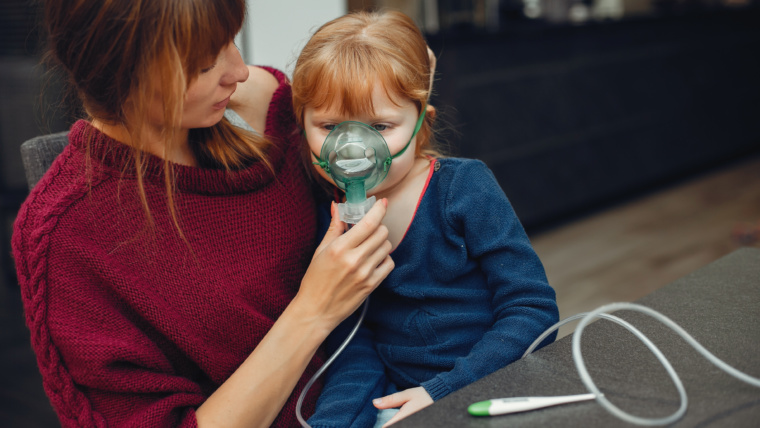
{"x":430,"y":113}
{"x":432,"y":59}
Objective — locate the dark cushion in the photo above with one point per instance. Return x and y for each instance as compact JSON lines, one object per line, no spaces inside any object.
{"x":39,"y":153}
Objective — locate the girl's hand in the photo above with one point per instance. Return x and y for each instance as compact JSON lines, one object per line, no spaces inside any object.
{"x":346,"y":268}
{"x":410,"y":400}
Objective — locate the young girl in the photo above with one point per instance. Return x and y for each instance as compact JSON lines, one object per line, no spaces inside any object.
{"x":468,"y":294}
{"x":167,"y":259}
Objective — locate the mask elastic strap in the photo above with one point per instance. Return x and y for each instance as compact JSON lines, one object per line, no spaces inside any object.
{"x":322,"y":164}
{"x":420,"y":120}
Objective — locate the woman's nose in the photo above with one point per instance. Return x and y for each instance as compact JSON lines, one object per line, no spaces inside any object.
{"x":238,"y":71}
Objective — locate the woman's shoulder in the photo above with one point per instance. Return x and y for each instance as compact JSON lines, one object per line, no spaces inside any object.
{"x":253,"y":98}
{"x":61,"y":186}
{"x":261,"y":84}
{"x":51,"y":199}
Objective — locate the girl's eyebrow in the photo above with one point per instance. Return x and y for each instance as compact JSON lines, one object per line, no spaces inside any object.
{"x":321,"y":117}
{"x":389,"y":113}
{"x":326,"y":119}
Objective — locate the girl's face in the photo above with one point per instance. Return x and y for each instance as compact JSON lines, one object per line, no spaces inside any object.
{"x":208,"y":94}
{"x":394,"y":119}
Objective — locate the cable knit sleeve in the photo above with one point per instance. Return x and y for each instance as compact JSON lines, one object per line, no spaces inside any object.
{"x":98,"y":365}
{"x":523,"y":302}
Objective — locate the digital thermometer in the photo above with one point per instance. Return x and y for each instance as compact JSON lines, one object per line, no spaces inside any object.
{"x":502,"y":406}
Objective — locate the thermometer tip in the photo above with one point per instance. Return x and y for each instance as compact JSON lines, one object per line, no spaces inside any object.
{"x":480,"y":408}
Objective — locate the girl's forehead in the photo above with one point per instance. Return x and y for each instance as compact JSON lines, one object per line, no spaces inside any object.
{"x":378,"y":102}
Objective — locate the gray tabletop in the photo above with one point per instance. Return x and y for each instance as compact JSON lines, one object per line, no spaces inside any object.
{"x":719,"y":305}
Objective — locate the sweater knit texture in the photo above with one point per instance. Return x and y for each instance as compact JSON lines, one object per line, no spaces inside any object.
{"x":133,"y":326}
{"x":468,"y":296}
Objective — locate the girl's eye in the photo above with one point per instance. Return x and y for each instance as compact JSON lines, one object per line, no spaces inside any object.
{"x":380,"y":127}
{"x":207,"y":69}
{"x":329,"y":127}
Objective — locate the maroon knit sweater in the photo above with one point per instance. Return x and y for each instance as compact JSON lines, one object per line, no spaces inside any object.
{"x":131,"y":327}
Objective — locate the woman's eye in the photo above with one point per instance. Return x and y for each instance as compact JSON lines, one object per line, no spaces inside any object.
{"x":207,"y":69}
{"x":380,"y":127}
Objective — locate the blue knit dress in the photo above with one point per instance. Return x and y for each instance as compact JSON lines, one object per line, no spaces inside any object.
{"x":468,"y":295}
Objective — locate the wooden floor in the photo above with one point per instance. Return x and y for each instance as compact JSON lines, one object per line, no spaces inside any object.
{"x":627,"y":252}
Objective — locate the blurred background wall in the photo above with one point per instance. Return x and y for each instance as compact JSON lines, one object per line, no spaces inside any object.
{"x":276,"y":31}
{"x":575,"y":104}
{"x":579,"y":104}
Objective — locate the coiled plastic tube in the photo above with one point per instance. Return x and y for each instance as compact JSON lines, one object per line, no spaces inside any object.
{"x":603,"y":312}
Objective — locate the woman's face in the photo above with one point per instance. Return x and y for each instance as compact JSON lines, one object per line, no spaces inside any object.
{"x":208,"y":94}
{"x":394,"y":119}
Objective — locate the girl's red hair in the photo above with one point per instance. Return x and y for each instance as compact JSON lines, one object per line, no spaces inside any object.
{"x":345,"y":57}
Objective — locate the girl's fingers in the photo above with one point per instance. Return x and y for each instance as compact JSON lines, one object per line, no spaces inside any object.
{"x":409,"y":400}
{"x":391,"y":401}
{"x":402,"y":413}
{"x":397,"y":417}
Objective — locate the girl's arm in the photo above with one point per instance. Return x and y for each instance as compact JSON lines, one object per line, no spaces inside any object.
{"x":524,"y":304}
{"x":344,"y":270}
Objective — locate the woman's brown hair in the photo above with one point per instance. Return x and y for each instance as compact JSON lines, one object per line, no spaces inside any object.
{"x":342,"y":61}
{"x":116,"y":52}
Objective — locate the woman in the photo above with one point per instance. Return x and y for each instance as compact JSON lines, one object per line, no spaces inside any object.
{"x":165,"y":259}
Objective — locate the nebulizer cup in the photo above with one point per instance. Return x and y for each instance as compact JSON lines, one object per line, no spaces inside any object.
{"x":357,"y":158}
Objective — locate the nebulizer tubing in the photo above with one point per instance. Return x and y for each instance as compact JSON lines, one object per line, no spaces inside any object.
{"x":603,"y":312}
{"x":324,"y":367}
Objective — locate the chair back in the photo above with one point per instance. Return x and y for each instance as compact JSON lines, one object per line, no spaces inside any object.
{"x":38,"y":153}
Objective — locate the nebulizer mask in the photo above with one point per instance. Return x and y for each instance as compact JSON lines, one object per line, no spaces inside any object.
{"x":358,"y":159}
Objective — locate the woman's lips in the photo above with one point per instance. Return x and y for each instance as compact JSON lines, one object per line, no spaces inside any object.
{"x":222,"y":104}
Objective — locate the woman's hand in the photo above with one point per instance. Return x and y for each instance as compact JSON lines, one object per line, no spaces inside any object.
{"x":346,"y":267}
{"x":410,"y":400}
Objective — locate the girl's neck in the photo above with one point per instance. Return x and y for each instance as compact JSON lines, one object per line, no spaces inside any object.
{"x":179,"y":152}
{"x":403,"y":199}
